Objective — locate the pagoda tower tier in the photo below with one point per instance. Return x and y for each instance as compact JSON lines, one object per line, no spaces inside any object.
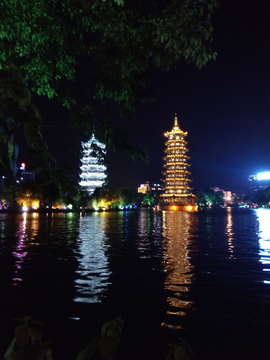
{"x":177,"y":193}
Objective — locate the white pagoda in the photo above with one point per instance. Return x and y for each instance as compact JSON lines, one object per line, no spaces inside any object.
{"x":93,"y":171}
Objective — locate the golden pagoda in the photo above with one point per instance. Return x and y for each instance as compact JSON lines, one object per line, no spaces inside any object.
{"x":177,"y":194}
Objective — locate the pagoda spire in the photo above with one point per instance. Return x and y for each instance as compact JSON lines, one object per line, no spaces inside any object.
{"x":176,"y":125}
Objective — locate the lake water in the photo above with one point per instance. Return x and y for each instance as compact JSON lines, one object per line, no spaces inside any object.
{"x":206,"y":273}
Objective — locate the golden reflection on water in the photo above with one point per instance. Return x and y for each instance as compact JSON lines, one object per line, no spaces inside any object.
{"x":229,"y":232}
{"x":34,"y":228}
{"x":176,"y":259}
{"x":263,"y":216}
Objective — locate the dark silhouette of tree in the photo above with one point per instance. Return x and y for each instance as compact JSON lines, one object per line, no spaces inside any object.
{"x":110,"y":45}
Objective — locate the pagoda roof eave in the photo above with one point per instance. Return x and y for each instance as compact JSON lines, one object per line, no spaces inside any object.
{"x":177,"y":195}
{"x":175,"y":130}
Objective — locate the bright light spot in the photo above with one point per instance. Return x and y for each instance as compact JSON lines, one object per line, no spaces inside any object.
{"x":263,"y":175}
{"x":69,"y":206}
{"x":24,"y":208}
{"x":35,"y":205}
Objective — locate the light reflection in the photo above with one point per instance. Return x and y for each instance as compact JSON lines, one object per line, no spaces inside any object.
{"x":34,"y":228}
{"x":20,"y":252}
{"x":176,"y":260}
{"x":2,"y":225}
{"x":144,"y":228}
{"x":264,"y":239}
{"x":229,"y":231}
{"x":93,"y":271}
{"x":149,"y":229}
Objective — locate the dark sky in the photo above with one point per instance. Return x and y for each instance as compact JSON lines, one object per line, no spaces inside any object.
{"x":225,"y":108}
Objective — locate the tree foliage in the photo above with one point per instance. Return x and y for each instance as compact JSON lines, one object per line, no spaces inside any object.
{"x":28,"y":342}
{"x":113,"y":198}
{"x":149,"y":199}
{"x":111,"y":43}
{"x":16,"y":110}
{"x":209,"y":197}
{"x":258,"y":198}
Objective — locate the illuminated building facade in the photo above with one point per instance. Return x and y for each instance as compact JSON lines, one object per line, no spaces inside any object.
{"x":150,"y":187}
{"x":227,"y":195}
{"x":93,"y":172}
{"x":177,"y":194}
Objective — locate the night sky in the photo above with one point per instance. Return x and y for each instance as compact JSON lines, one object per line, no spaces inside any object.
{"x":225,"y":108}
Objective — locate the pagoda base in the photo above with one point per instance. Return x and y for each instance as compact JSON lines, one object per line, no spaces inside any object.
{"x":178,"y":207}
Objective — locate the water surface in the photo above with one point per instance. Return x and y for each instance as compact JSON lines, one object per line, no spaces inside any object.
{"x":206,"y":274}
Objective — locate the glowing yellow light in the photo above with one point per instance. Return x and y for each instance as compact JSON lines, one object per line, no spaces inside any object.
{"x":24,"y":208}
{"x":35,"y":205}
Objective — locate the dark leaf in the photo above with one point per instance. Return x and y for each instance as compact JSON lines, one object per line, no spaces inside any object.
{"x":22,"y":335}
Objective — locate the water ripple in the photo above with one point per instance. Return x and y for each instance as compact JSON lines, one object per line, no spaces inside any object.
{"x":93,"y":269}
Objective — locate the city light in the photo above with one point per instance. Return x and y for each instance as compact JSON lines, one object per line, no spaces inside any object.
{"x":263,"y":175}
{"x":35,"y":205}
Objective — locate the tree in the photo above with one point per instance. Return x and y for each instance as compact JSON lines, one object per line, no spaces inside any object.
{"x":209,"y":197}
{"x":111,"y":44}
{"x":258,"y":198}
{"x":149,"y":199}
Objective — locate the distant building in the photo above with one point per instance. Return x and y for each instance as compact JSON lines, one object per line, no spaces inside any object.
{"x":259,"y":181}
{"x":227,"y":195}
{"x":177,"y":194}
{"x":24,"y":176}
{"x":150,"y":187}
{"x":93,"y":171}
